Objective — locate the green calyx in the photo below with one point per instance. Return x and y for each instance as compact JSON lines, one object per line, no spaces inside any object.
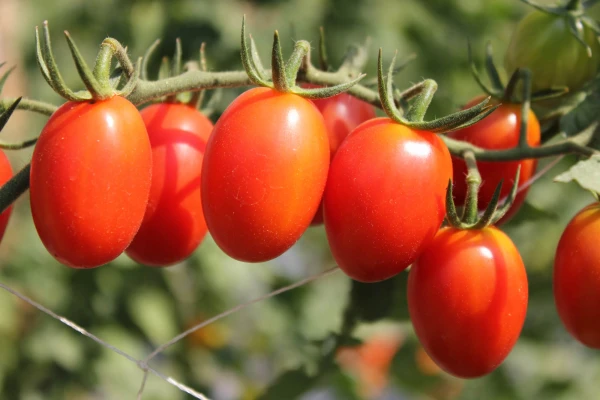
{"x":508,"y":93}
{"x":284,"y":73}
{"x":98,"y":82}
{"x":470,"y":218}
{"x":416,"y":101}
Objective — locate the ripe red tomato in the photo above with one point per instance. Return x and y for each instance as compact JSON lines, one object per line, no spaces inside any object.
{"x":577,"y":277}
{"x":264,"y":173}
{"x":500,"y":130}
{"x":467,"y":299}
{"x":173,"y":225}
{"x":90,"y":179}
{"x":385,"y":198}
{"x":342,"y":113}
{"x":6,"y":173}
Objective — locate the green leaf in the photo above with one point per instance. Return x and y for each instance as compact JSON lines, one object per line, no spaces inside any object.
{"x":586,"y":173}
{"x":289,"y":385}
{"x":582,"y":116}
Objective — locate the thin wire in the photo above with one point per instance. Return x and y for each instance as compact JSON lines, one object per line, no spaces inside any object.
{"x":178,"y":385}
{"x":238,"y":308}
{"x":535,"y":177}
{"x":142,"y":364}
{"x":70,"y":324}
{"x":144,"y":379}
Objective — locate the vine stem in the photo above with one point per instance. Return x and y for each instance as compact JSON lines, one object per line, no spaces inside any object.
{"x":36,"y":106}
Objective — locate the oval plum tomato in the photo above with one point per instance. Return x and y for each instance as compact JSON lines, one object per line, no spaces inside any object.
{"x":500,"y":130}
{"x":342,"y":113}
{"x":173,"y":225}
{"x":90,"y":179}
{"x":577,"y":277}
{"x":467,"y":299}
{"x":385,"y":198}
{"x":6,"y":172}
{"x":544,"y":43}
{"x":264,"y":173}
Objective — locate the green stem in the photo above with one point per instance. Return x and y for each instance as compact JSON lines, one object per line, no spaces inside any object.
{"x":473,"y":183}
{"x":575,"y":144}
{"x":39,"y":107}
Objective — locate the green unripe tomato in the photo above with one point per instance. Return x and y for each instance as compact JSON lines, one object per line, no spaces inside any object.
{"x":544,"y":43}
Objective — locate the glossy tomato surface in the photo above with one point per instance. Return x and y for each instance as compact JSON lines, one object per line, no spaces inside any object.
{"x":544,"y":43}
{"x":90,"y":179}
{"x":6,"y":172}
{"x":500,"y":130}
{"x":467,"y":299}
{"x":264,"y":173}
{"x":577,"y":277}
{"x":342,"y":113}
{"x":173,"y":225}
{"x":385,"y":198}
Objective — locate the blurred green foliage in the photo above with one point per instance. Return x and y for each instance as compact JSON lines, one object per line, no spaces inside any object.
{"x":136,"y":308}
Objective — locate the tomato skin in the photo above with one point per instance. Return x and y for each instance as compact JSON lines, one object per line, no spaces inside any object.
{"x":173,"y":225}
{"x":90,"y":179}
{"x":500,"y":130}
{"x":6,"y":173}
{"x":543,"y":43}
{"x":342,"y":113}
{"x":264,"y":173}
{"x":467,"y":299}
{"x":577,"y":277}
{"x":385,"y":198}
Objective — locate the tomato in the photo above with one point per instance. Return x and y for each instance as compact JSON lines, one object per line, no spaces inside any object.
{"x":370,"y":362}
{"x":577,"y":277}
{"x":173,"y":225}
{"x":90,"y":179}
{"x":544,"y":43}
{"x":385,"y":198}
{"x":467,"y":299}
{"x":342,"y":113}
{"x":500,"y":130}
{"x":264,"y":173}
{"x":6,"y":173}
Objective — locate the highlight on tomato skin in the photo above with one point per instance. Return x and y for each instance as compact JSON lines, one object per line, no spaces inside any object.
{"x":264,"y":173}
{"x":500,"y":130}
{"x":342,"y":114}
{"x":467,"y":299}
{"x":90,"y":181}
{"x":576,"y":277}
{"x":6,"y":173}
{"x":385,"y":198}
{"x":173,"y":225}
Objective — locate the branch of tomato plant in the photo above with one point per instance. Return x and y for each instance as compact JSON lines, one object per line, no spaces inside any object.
{"x":25,"y":104}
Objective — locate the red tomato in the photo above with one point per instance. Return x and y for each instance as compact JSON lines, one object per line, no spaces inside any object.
{"x":342,"y":113}
{"x":6,"y":173}
{"x":90,"y":179}
{"x":264,"y":173}
{"x":385,"y":198}
{"x":577,"y":277}
{"x":500,"y":130}
{"x":173,"y":225}
{"x":467,"y":299}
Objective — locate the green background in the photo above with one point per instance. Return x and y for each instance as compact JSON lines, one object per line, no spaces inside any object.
{"x":137,"y":308}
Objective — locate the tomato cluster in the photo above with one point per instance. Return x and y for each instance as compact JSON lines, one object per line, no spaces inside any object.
{"x":108,"y":179}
